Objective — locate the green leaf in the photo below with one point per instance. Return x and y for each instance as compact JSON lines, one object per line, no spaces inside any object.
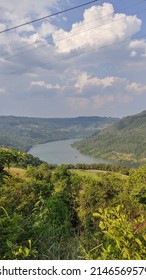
{"x":102,"y":225}
{"x":109,"y":248}
{"x":9,"y":243}
{"x":118,"y":244}
{"x":96,"y":215}
{"x":144,"y":236}
{"x":26,"y":251}
{"x":138,"y":242}
{"x":118,"y":208}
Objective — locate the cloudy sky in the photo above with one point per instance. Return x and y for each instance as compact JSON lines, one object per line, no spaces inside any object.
{"x":88,"y":61}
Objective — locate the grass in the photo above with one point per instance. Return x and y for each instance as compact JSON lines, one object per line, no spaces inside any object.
{"x":17,"y":171}
{"x":95,"y":173}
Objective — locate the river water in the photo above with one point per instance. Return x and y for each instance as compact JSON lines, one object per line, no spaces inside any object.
{"x":61,"y":152}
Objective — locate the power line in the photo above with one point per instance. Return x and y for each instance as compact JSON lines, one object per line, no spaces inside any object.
{"x":48,"y":16}
{"x":14,"y":54}
{"x":54,"y":60}
{"x":70,"y":36}
{"x":24,"y":71}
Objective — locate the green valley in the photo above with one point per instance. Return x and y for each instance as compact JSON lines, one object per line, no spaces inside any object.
{"x":73,"y":211}
{"x":24,"y":132}
{"x":123,"y":142}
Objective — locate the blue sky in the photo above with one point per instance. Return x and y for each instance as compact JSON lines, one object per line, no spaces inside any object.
{"x":89,"y":61}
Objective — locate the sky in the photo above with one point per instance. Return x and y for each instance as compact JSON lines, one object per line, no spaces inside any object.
{"x":90,"y":61}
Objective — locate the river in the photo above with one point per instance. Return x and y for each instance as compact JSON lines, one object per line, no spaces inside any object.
{"x":61,"y":152}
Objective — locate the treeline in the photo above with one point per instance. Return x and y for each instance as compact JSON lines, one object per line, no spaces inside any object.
{"x":100,"y":166}
{"x":53,"y":213}
{"x":93,"y":166}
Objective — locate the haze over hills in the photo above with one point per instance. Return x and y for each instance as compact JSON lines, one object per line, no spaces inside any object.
{"x":123,"y":141}
{"x":24,"y":132}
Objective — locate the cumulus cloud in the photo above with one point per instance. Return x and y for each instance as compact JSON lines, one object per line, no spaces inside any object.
{"x":13,"y":13}
{"x":58,"y":73}
{"x":100,"y":26}
{"x":46,"y":29}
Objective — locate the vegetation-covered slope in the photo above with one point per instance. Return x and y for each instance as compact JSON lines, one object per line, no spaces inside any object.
{"x":59,"y":213}
{"x":23,"y":132}
{"x":123,"y":141}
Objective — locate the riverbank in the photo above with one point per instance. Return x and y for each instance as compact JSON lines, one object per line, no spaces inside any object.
{"x":61,"y":152}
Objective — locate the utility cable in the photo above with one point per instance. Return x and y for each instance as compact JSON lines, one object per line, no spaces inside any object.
{"x":39,"y":41}
{"x":48,"y":16}
{"x":45,"y":44}
{"x":24,"y":71}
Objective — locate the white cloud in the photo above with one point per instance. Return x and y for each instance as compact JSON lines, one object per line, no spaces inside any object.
{"x":50,"y":80}
{"x":46,"y":29}
{"x":13,"y":13}
{"x":99,"y":27}
{"x":44,"y":85}
{"x":85,"y":80}
{"x":2,"y":26}
{"x":138,"y":46}
{"x":136,"y":88}
{"x":22,"y":8}
{"x":102,"y":92}
{"x":133,"y":54}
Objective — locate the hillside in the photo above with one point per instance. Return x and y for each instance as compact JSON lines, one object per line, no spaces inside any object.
{"x":23,"y":132}
{"x":123,"y":141}
{"x":94,"y":212}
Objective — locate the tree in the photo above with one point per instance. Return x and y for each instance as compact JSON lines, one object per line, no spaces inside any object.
{"x":137,"y":185}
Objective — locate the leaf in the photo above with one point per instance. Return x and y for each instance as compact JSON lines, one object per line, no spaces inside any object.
{"x":96,"y":247}
{"x":144,"y":236}
{"x":109,"y":248}
{"x":118,"y":208}
{"x":102,"y":225}
{"x":100,"y":210}
{"x":130,"y":235}
{"x":9,"y":243}
{"x":138,"y":257}
{"x":118,"y":244}
{"x":138,"y":242}
{"x":20,"y":250}
{"x":29,"y":242}
{"x":26,"y":251}
{"x":96,"y":215}
{"x":126,"y":253}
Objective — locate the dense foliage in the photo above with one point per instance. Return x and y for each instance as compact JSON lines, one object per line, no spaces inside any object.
{"x":125,"y":141}
{"x":23,"y":132}
{"x":55,"y":213}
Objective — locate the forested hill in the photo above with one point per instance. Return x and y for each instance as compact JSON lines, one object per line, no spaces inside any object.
{"x":23,"y":132}
{"x":123,"y":141}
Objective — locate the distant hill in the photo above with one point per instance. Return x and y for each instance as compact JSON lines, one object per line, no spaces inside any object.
{"x":23,"y":132}
{"x":123,"y":141}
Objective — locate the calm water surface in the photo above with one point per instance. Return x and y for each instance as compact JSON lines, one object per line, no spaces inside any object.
{"x":61,"y":152}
